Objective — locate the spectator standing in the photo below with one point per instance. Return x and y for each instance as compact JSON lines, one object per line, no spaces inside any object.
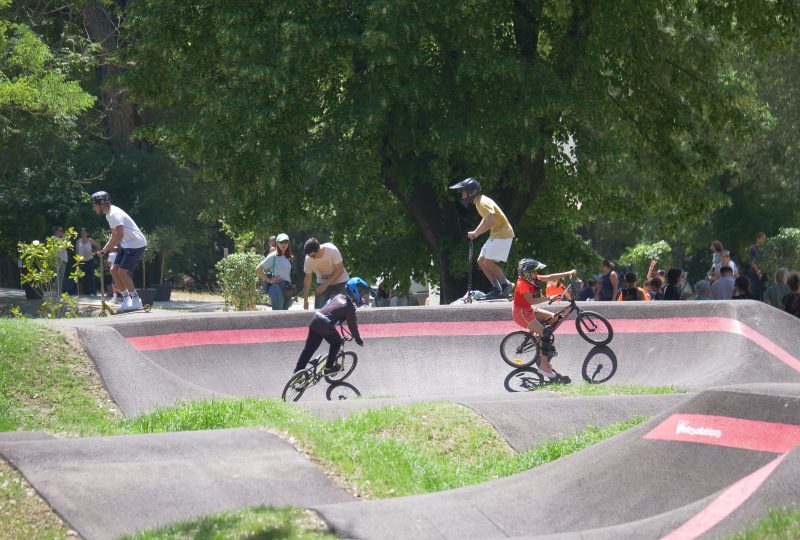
{"x":727,"y":261}
{"x":653,"y":288}
{"x":631,"y":291}
{"x":63,"y":259}
{"x":716,"y":257}
{"x":609,"y":283}
{"x":86,"y":247}
{"x":741,"y":289}
{"x":672,"y":290}
{"x":501,"y":235}
{"x":791,"y":302}
{"x":758,"y":279}
{"x":271,"y":247}
{"x":722,"y":288}
{"x":587,"y":292}
{"x":325,"y":261}
{"x":702,"y":290}
{"x":775,"y":292}
{"x":132,"y":243}
{"x":276,"y":270}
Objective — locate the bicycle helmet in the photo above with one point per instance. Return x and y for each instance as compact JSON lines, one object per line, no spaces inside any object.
{"x":528,"y":268}
{"x":471,"y":187}
{"x":100,"y":197}
{"x":355,"y":286}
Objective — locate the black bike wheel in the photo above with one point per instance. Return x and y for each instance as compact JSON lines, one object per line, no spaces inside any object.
{"x":594,"y":328}
{"x":296,"y":386}
{"x":520,"y":349}
{"x":348,"y":361}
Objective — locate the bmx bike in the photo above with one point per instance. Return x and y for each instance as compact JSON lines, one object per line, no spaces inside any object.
{"x":315,"y":371}
{"x":522,"y":348}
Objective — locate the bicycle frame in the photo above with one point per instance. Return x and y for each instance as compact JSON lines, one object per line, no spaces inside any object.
{"x":572,"y":306}
{"x":320,"y":359}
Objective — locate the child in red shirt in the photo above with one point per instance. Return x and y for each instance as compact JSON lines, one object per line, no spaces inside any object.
{"x":526,"y":296}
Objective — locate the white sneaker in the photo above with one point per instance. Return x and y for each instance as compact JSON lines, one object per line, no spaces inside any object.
{"x":136,"y":303}
{"x":125,"y":305}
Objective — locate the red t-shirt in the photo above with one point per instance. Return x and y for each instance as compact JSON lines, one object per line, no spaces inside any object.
{"x":522,"y":287}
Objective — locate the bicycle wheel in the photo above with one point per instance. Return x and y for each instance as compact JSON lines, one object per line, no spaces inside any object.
{"x":594,"y":328}
{"x":520,"y":349}
{"x":348,"y":361}
{"x":296,"y":386}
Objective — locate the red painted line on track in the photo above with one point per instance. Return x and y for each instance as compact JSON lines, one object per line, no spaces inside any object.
{"x":721,"y":507}
{"x":483,"y":328}
{"x":728,"y":432}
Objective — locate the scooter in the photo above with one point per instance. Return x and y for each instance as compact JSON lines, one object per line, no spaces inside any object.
{"x":105,"y":308}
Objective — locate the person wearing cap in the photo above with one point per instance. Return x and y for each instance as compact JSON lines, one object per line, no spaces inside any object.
{"x":702,"y":290}
{"x":276,"y":270}
{"x":132,"y":243}
{"x":498,"y":246}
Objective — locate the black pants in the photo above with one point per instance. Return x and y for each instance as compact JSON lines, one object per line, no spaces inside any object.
{"x":317,"y":331}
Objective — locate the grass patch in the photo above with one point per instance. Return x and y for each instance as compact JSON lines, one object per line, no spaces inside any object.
{"x":262,"y":522}
{"x":23,"y":514}
{"x":47,"y":382}
{"x":778,"y":524}
{"x":396,"y":451}
{"x":584,"y":389}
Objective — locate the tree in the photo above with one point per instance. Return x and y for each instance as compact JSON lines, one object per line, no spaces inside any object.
{"x":361,"y":114}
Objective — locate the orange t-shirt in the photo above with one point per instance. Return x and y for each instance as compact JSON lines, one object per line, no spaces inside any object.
{"x":522,"y":287}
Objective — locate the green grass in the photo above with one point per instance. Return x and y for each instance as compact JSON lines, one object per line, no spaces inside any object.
{"x":587,"y":389}
{"x":778,"y":524}
{"x":45,"y":384}
{"x":395,"y":451}
{"x":290,"y":523}
{"x":23,"y":514}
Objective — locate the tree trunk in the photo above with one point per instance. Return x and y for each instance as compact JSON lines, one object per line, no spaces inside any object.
{"x":120,"y":113}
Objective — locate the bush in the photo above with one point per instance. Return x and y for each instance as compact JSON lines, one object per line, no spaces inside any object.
{"x":642,"y":253}
{"x":781,"y":250}
{"x":240,"y":283}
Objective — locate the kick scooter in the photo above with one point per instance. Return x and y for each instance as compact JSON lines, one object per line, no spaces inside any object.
{"x":105,"y":308}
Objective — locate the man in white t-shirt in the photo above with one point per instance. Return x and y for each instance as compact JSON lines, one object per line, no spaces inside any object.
{"x":326,"y":262}
{"x":131,"y":242}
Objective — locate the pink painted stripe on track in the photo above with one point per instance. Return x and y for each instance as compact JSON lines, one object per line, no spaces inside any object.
{"x":474,"y":328}
{"x":727,"y":431}
{"x":721,"y":507}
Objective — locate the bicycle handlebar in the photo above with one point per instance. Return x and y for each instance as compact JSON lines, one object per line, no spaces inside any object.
{"x":566,"y":290}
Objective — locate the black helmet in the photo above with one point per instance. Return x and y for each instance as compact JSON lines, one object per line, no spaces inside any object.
{"x":471,"y":186}
{"x":100,"y":197}
{"x":527,"y":267}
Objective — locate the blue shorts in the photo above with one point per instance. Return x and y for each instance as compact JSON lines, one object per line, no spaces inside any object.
{"x":128,"y":258}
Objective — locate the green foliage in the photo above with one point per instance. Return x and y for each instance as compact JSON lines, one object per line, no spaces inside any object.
{"x":782,"y":250}
{"x":778,"y":524}
{"x":40,"y":261}
{"x":642,"y":253}
{"x":568,"y":114}
{"x":237,"y":277}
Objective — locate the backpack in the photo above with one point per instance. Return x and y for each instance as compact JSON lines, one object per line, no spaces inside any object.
{"x":791,"y":304}
{"x":629,"y":294}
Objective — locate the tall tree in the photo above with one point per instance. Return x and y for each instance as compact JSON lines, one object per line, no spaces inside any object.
{"x":363,"y":112}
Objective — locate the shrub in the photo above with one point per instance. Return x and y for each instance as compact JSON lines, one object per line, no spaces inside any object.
{"x":783,"y":249}
{"x":240,"y":283}
{"x":642,"y":253}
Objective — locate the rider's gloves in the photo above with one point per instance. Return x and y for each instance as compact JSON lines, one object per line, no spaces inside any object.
{"x":360,"y":341}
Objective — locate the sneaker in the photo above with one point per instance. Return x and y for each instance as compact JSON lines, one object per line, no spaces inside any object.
{"x":125,"y":305}
{"x":508,"y":289}
{"x":136,"y":303}
{"x":335,"y":368}
{"x":494,"y":294}
{"x":551,"y":374}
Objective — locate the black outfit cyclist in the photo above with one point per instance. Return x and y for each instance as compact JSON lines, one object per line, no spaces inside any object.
{"x":340,"y":308}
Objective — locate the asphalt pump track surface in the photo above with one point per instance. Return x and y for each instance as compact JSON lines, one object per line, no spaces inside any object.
{"x":709,"y":462}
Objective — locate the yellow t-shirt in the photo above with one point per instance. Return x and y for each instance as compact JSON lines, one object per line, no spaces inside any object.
{"x":501,"y":228}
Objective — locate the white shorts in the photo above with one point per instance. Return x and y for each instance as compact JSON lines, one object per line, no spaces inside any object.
{"x":496,"y":249}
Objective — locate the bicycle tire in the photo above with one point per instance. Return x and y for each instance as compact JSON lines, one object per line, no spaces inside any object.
{"x":348,"y":360}
{"x":520,"y":349}
{"x":594,"y":328}
{"x":297,"y":385}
